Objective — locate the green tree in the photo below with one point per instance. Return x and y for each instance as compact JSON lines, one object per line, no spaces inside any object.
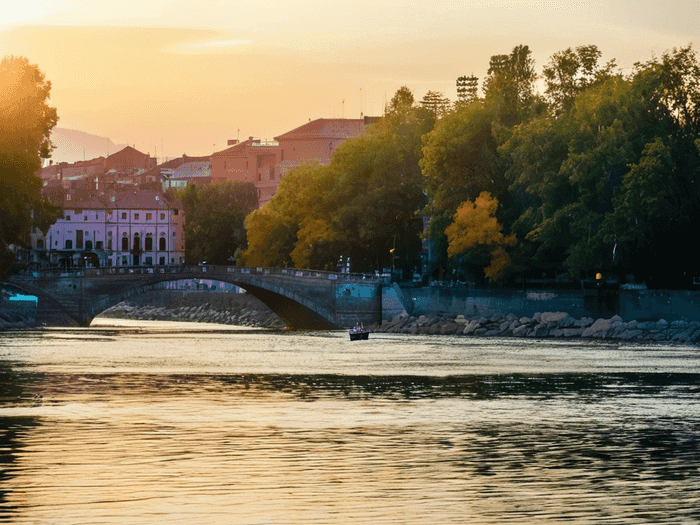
{"x":273,"y":231}
{"x":26,"y":121}
{"x":572,"y":71}
{"x":215,"y":215}
{"x":357,"y":206}
{"x":435,"y":102}
{"x":509,"y":85}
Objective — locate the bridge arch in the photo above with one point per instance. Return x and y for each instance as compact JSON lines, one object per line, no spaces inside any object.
{"x":303,"y":299}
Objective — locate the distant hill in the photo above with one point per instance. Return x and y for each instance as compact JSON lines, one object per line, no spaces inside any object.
{"x":73,"y":145}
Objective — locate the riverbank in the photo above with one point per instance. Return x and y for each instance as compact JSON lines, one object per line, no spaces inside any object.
{"x":198,"y":307}
{"x":545,"y":325}
{"x":246,"y":310}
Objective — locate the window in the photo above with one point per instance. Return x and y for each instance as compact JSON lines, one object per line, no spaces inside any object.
{"x":175,"y":211}
{"x":39,"y":244}
{"x":162,"y":216}
{"x":149,"y":242}
{"x":161,"y":243}
{"x":85,"y":217}
{"x":136,"y":216}
{"x":67,"y":217}
{"x":88,"y":246}
{"x":149,"y":216}
{"x":69,"y":244}
{"x":99,"y":245}
{"x":149,"y":261}
{"x":79,"y":239}
{"x":124,"y":216}
{"x":125,"y":244}
{"x":272,"y":173}
{"x":137,"y":242}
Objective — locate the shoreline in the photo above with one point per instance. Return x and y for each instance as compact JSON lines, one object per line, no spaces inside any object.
{"x":246,"y":310}
{"x":550,"y":325}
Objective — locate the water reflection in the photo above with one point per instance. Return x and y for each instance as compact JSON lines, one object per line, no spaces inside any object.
{"x":81,"y":444}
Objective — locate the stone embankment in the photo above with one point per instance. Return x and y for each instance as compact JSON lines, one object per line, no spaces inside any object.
{"x":546,"y":324}
{"x":201,"y":307}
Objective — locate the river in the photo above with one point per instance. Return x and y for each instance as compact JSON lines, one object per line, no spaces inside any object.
{"x":177,"y":423}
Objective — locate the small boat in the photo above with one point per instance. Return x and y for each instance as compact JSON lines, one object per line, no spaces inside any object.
{"x":358,"y":333}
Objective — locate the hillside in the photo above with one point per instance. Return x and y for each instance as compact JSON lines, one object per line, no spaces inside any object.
{"x":73,"y":145}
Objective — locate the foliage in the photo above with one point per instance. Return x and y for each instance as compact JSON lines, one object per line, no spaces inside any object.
{"x":357,"y":206}
{"x":509,"y":86}
{"x":571,"y":72}
{"x":599,"y":174}
{"x":26,"y":121}
{"x":476,"y":228}
{"x":435,"y":102}
{"x":215,"y":216}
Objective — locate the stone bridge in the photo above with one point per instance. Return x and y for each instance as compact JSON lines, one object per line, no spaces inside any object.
{"x":303,"y":299}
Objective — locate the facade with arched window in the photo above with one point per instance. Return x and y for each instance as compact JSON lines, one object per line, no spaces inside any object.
{"x":127,"y":228}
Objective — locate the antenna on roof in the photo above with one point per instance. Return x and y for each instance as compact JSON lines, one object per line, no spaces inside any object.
{"x":342,"y":113}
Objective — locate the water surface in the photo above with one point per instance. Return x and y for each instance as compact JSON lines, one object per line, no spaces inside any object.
{"x":153,"y":422}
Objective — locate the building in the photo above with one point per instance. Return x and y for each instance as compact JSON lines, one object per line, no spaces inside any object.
{"x":129,"y":160}
{"x":118,"y":228}
{"x":265,"y":163}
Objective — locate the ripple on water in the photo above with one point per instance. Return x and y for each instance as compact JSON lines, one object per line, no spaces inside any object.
{"x":145,"y":444}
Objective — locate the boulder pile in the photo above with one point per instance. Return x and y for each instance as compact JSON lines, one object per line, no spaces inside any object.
{"x":232,"y":309}
{"x":545,"y":324}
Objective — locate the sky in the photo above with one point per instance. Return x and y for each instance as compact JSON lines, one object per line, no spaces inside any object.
{"x":176,"y":76}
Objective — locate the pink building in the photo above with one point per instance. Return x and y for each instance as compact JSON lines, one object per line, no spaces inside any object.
{"x":124,"y":228}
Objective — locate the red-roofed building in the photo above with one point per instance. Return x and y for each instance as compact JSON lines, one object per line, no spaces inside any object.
{"x":129,"y":160}
{"x":265,"y":163}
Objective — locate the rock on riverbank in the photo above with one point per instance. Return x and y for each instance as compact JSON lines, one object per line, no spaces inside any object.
{"x":201,"y":307}
{"x":546,"y":324}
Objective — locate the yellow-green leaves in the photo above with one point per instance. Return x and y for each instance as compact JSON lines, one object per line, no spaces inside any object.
{"x":475,"y":226}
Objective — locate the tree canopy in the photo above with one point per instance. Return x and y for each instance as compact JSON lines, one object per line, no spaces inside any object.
{"x":358,"y":206}
{"x":600,"y":172}
{"x":26,"y":121}
{"x":215,"y":215}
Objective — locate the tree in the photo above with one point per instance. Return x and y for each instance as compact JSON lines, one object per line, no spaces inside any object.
{"x":215,"y":215}
{"x":356,"y":206}
{"x":509,"y":86}
{"x":402,"y":100}
{"x":475,"y":229}
{"x":26,"y":121}
{"x":435,"y":102}
{"x":570,"y":72}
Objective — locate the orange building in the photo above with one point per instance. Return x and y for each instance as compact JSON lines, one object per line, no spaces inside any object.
{"x":265,"y":163}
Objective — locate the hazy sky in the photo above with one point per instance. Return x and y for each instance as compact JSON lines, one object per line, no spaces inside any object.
{"x":185,"y":76}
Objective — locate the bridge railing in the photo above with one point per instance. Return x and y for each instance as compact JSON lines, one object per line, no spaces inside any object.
{"x":206,"y":271}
